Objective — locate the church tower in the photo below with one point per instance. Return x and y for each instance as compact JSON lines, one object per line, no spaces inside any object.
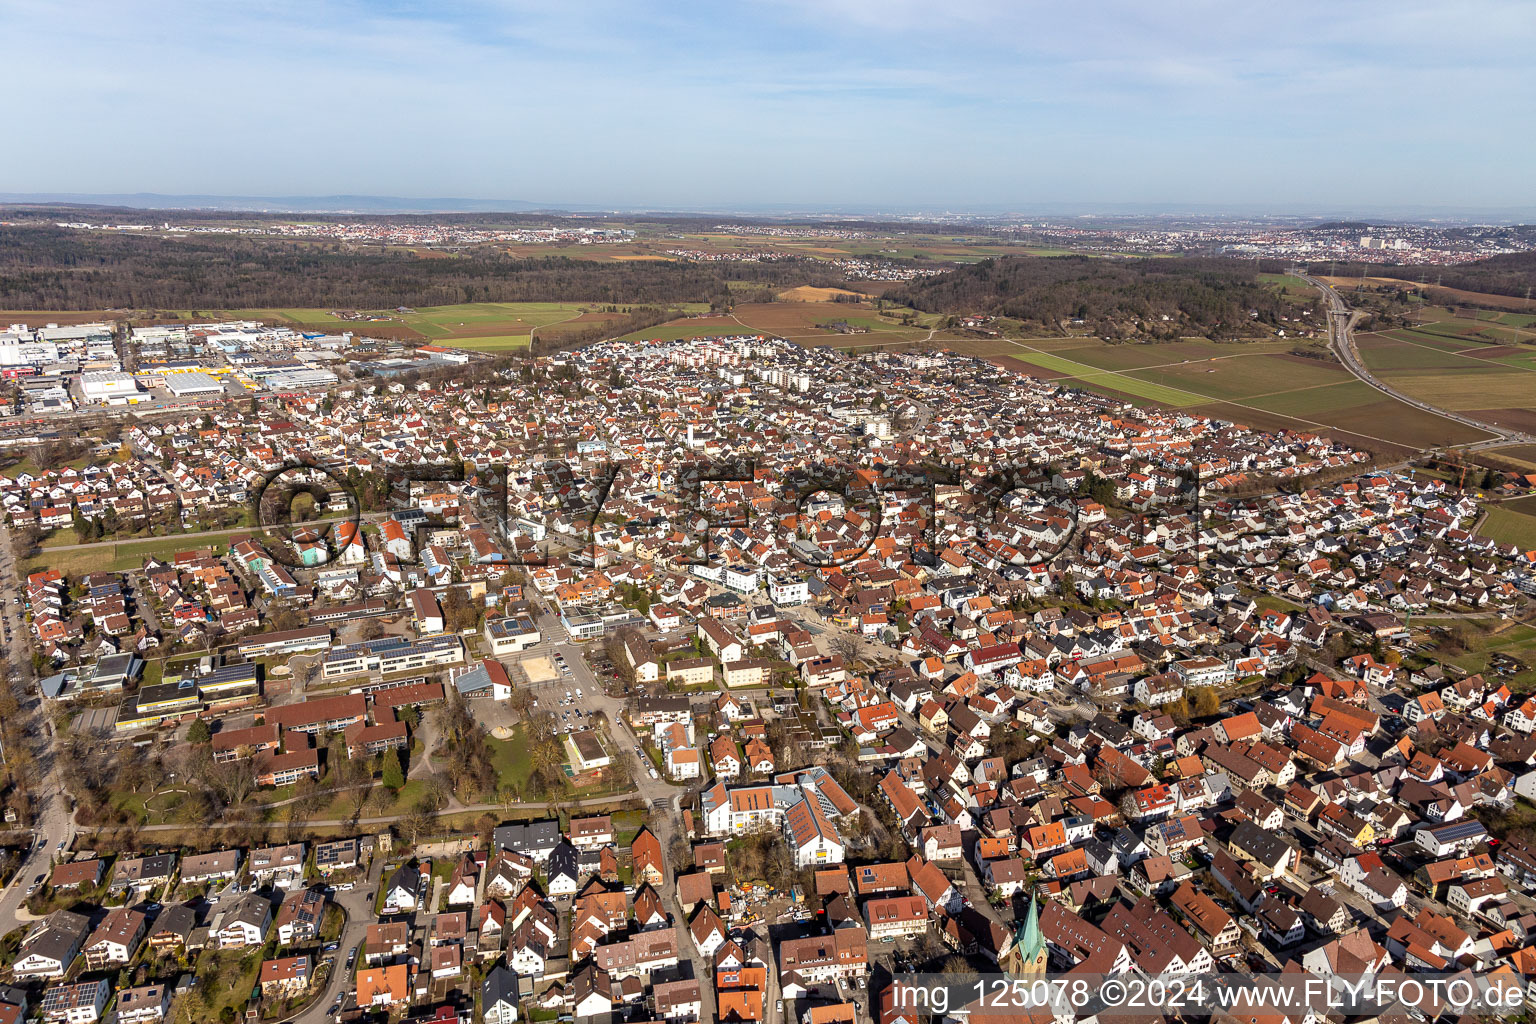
{"x":1027,"y":954}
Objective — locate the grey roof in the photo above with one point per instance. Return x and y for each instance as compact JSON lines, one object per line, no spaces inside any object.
{"x":535,"y":837}
{"x":407,"y":877}
{"x":336,"y":852}
{"x":253,"y":908}
{"x":500,"y":985}
{"x":52,"y":686}
{"x":1458,"y":831}
{"x":1266,"y":847}
{"x":563,"y":860}
{"x":178,"y":920}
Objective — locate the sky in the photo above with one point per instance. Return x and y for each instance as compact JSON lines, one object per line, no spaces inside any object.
{"x":876,"y":105}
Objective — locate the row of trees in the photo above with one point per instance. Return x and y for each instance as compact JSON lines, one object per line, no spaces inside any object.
{"x":1509,"y":274}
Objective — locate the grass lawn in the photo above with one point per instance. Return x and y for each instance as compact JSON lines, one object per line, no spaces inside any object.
{"x":29,"y":465}
{"x":114,"y":557}
{"x":1517,"y":641}
{"x":512,"y":760}
{"x":229,"y":978}
{"x":1507,"y":526}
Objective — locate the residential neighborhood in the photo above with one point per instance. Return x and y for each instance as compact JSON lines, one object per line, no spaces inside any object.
{"x":730,"y":680}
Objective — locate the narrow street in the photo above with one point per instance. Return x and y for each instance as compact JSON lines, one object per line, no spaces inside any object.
{"x":359,"y":910}
{"x":54,"y":828}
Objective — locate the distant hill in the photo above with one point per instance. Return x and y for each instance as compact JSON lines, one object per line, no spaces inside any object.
{"x":278,"y":204}
{"x":1197,"y":296}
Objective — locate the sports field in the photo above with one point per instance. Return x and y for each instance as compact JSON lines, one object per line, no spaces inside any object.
{"x":488,"y":326}
{"x":115,"y":557}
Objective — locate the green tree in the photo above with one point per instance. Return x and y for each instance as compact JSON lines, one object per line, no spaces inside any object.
{"x":198,"y":732}
{"x":393,"y":777}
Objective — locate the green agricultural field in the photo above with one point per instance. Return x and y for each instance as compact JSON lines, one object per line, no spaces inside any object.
{"x":1293,"y":286}
{"x":292,"y":315}
{"x":1524,"y":361}
{"x":1156,"y":354}
{"x":1246,"y":377}
{"x":1457,"y":327}
{"x":1097,"y":379}
{"x":1381,"y":352}
{"x":1427,"y":340}
{"x":494,"y":343}
{"x":458,"y":324}
{"x":1494,"y":388}
{"x":1507,"y":526}
{"x":1309,"y":403}
{"x":683,"y":330}
{"x":1256,"y":383}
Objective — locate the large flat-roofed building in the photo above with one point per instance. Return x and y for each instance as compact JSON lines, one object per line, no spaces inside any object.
{"x":157,"y":703}
{"x":590,"y":754}
{"x":393,"y":654}
{"x":290,"y":641}
{"x":511,"y":635}
{"x":109,"y":387}
{"x":228,"y":682}
{"x":110,"y":674}
{"x":301,"y":380}
{"x":192,"y":383}
{"x":582,"y":624}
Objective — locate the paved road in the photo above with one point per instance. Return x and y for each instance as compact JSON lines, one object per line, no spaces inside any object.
{"x":359,"y":910}
{"x":1342,"y":334}
{"x":54,"y":823}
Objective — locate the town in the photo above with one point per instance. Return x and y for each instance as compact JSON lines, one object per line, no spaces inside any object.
{"x":722,"y":679}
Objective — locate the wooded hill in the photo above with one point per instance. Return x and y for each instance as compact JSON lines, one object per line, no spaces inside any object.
{"x":1209,"y":297}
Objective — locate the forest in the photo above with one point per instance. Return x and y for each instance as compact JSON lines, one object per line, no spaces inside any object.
{"x":1511,"y":274}
{"x":45,"y":267}
{"x":1203,"y":296}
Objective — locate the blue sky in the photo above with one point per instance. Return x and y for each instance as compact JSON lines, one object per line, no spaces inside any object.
{"x":876,"y":104}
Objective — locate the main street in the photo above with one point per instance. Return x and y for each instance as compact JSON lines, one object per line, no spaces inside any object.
{"x":1341,"y":320}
